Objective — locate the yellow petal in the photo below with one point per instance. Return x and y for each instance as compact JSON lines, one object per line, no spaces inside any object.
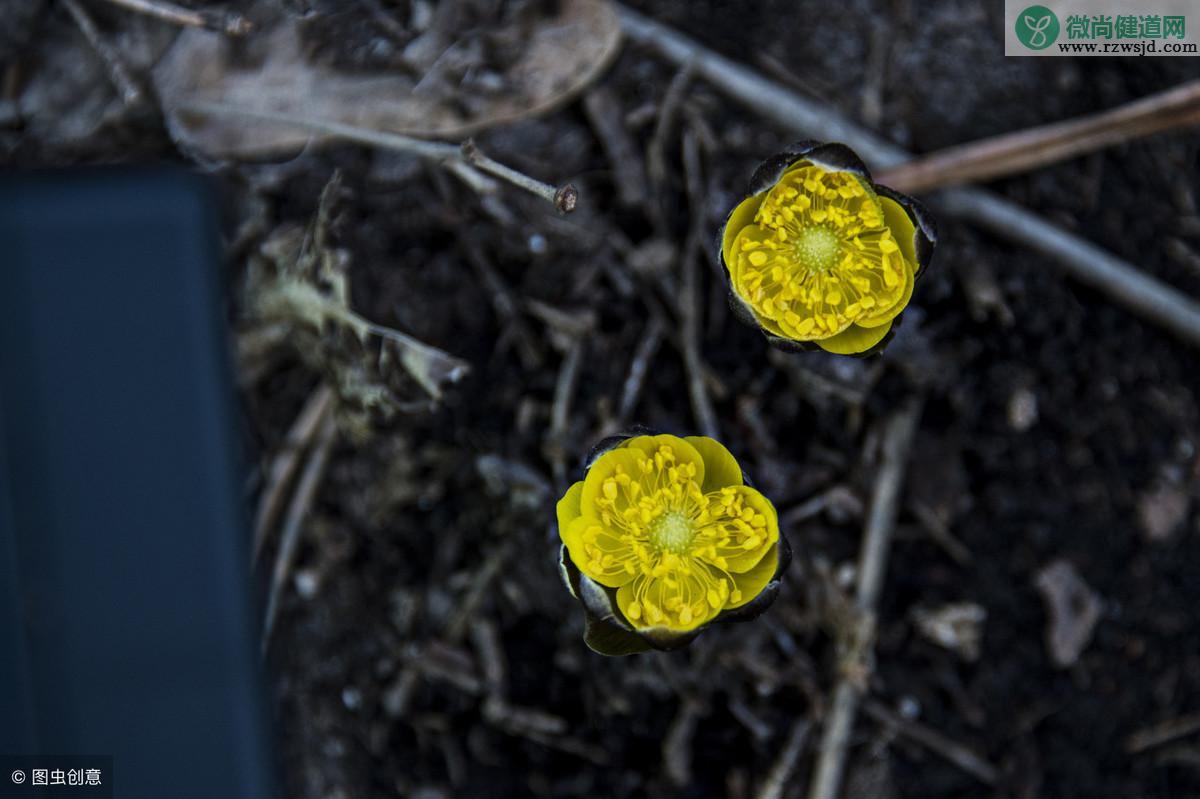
{"x":607,"y":466}
{"x":741,"y":216}
{"x":720,"y":467}
{"x":885,"y":314}
{"x":568,"y":509}
{"x":855,"y":339}
{"x":897,"y":221}
{"x":679,"y":604}
{"x":684,"y":452}
{"x":751,"y":582}
{"x":599,"y":552}
{"x":747,"y":538}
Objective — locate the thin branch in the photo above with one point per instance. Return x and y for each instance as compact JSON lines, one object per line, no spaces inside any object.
{"x":1121,"y":280}
{"x":297,"y":515}
{"x":131,"y":93}
{"x":225,"y":22}
{"x":690,"y":299}
{"x":283,"y":468}
{"x":1029,"y":149}
{"x":951,"y":750}
{"x":785,"y":765}
{"x":1162,"y":733}
{"x":639,"y":365}
{"x":872,"y":564}
{"x":456,"y":157}
{"x":564,"y":197}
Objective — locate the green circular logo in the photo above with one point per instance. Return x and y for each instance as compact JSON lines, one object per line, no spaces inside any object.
{"x":1037,"y":27}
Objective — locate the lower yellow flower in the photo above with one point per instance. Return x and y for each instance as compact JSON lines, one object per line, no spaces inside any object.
{"x":668,"y":530}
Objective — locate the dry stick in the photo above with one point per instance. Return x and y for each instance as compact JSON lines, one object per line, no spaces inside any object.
{"x":1029,"y":149}
{"x":872,"y":563}
{"x":638,"y":367}
{"x":467,"y":154}
{"x":310,"y":419}
{"x":225,"y":22}
{"x":564,"y":198}
{"x":131,"y":94}
{"x":953,"y":751}
{"x":1120,"y":279}
{"x":785,"y":764}
{"x":302,"y":500}
{"x":629,"y":173}
{"x":504,"y":304}
{"x":1162,"y":733}
{"x":689,"y":302}
{"x":560,"y":412}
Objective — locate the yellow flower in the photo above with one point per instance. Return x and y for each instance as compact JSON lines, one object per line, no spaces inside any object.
{"x":663,"y":536}
{"x":819,"y":255}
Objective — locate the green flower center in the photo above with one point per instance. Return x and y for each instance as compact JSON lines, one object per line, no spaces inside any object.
{"x":818,"y":248}
{"x":672,"y":532}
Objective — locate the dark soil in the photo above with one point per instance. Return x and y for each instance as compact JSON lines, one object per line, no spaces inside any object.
{"x":384,"y":688}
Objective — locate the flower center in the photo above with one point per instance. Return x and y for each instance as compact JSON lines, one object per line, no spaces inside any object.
{"x":818,"y":248}
{"x":672,"y":532}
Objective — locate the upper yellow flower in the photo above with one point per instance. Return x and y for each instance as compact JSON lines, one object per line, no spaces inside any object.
{"x":670,"y":524}
{"x":821,"y":254}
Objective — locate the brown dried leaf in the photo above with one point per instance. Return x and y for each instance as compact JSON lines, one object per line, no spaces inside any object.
{"x":562,"y":56}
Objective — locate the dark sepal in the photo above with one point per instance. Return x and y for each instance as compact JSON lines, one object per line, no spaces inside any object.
{"x":568,"y":571}
{"x":925,"y":236}
{"x":606,"y":638}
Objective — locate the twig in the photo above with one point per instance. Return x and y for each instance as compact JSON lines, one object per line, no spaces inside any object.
{"x":131,"y":93}
{"x":503,"y":302}
{"x":677,"y":744}
{"x":454,"y":156}
{"x":1162,"y":733}
{"x":560,"y":412}
{"x":1083,"y":260}
{"x":656,"y":157}
{"x":689,"y":302}
{"x":872,"y":563}
{"x":1029,"y":149}
{"x":935,"y":741}
{"x":1119,"y":279}
{"x":629,"y":174}
{"x":638,"y":367}
{"x":785,"y":764}
{"x":225,"y":22}
{"x":564,"y":197}
{"x":479,"y":585}
{"x":283,"y":468}
{"x":302,"y":500}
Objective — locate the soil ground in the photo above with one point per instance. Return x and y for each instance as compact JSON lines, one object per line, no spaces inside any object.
{"x":425,"y":646}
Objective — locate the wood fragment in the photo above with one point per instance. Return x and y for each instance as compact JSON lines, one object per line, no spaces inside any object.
{"x":1162,"y":733}
{"x":952,"y":751}
{"x":129,"y":90}
{"x":872,"y":564}
{"x":285,"y":463}
{"x":785,"y":764}
{"x":629,"y":172}
{"x":1032,"y":148}
{"x":226,"y":22}
{"x":297,"y":515}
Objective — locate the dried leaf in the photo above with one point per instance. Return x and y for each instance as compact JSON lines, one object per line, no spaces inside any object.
{"x":299,"y":279}
{"x":562,"y":56}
